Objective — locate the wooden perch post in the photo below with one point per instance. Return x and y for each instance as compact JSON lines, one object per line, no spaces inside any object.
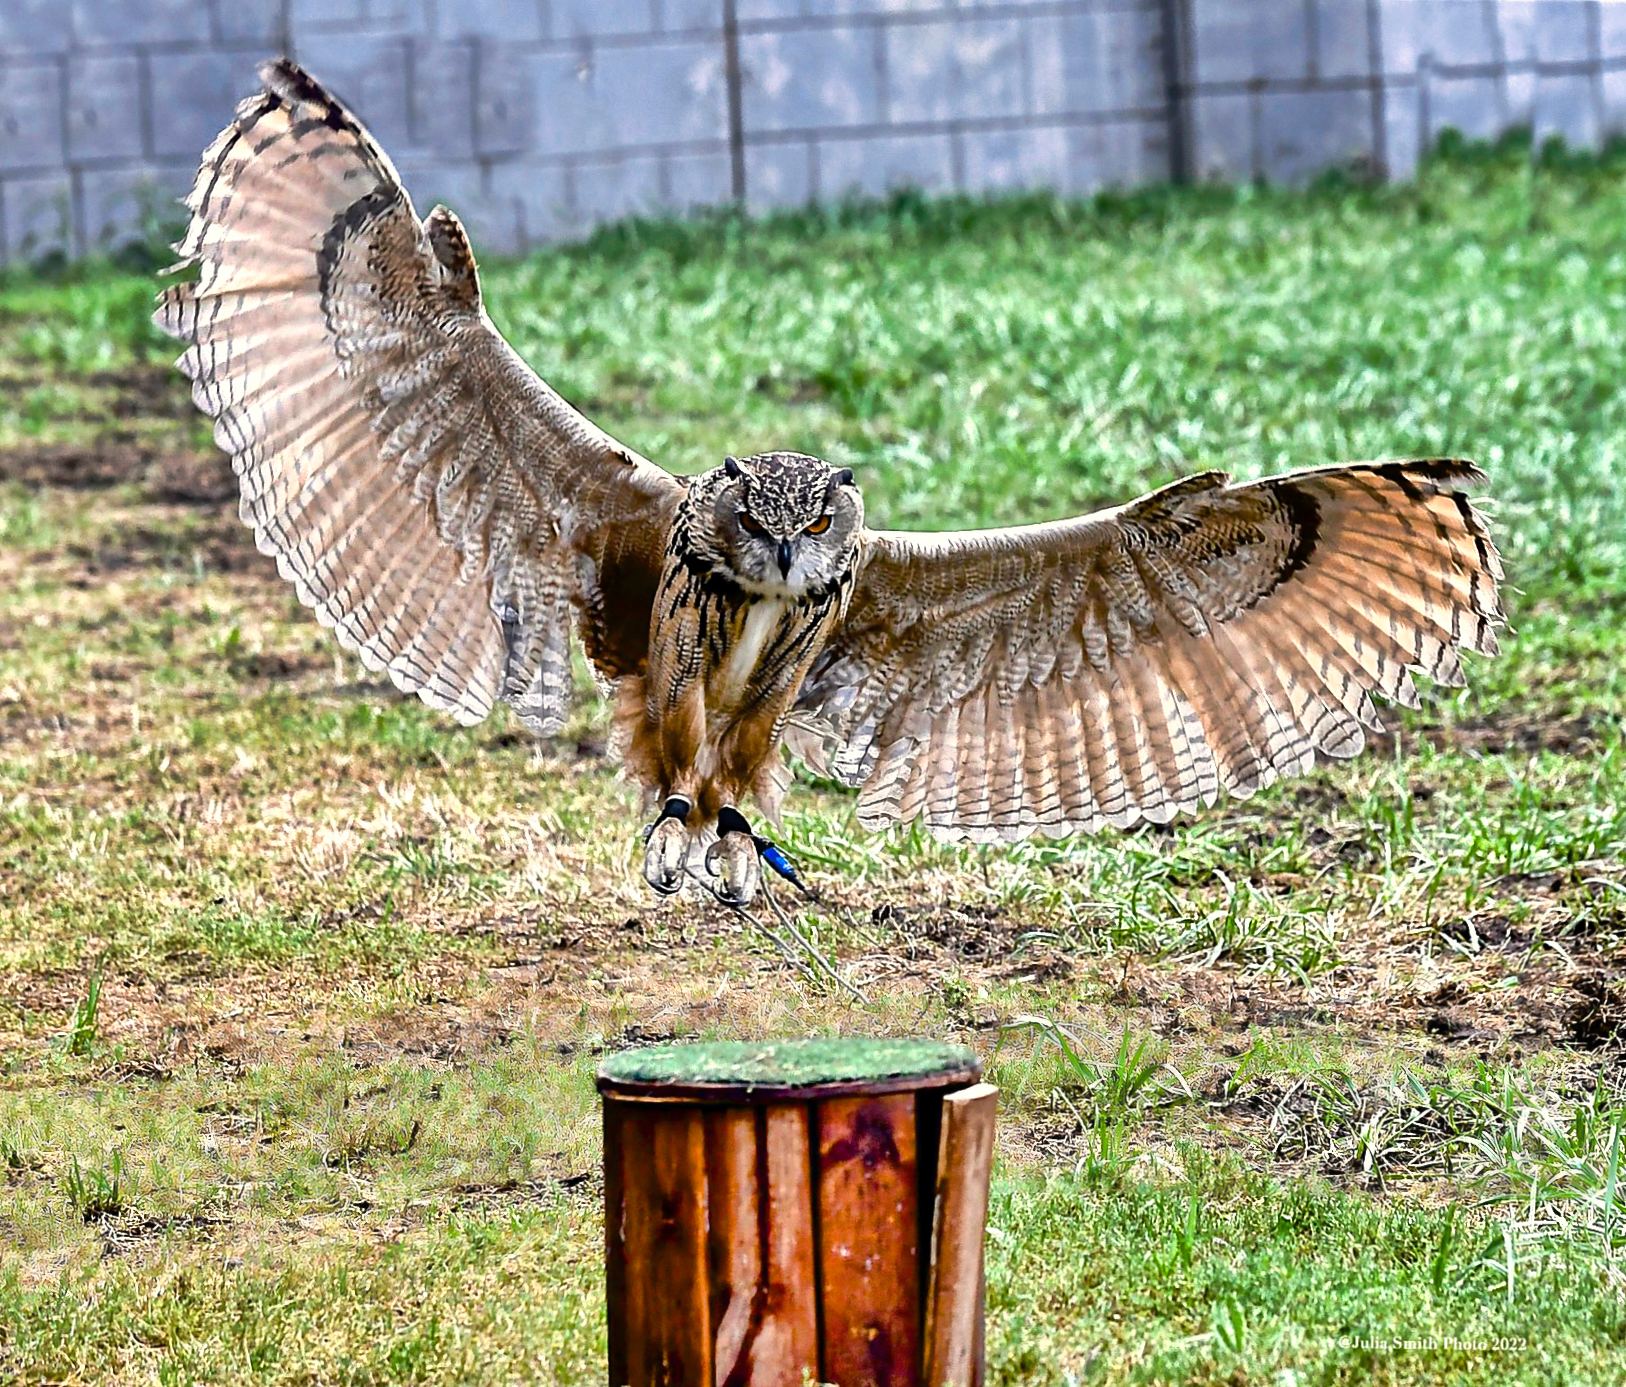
{"x":789,"y":1209}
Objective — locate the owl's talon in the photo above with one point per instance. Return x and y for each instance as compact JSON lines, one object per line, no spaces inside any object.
{"x":731,"y":821}
{"x":733,"y":859}
{"x":666,"y":847}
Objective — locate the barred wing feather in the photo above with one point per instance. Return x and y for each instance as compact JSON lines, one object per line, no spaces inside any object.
{"x":436,"y":504}
{"x":1140,"y":662}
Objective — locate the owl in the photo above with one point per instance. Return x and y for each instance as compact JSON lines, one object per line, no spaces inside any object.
{"x":452,"y":520}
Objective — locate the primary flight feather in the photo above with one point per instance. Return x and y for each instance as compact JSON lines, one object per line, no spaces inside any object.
{"x":451,"y":518}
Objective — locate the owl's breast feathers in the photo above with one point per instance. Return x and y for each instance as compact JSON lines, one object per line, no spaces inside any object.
{"x":741,"y":647}
{"x":706,"y":719}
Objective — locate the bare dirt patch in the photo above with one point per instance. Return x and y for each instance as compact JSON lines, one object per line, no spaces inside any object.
{"x":203,"y":479}
{"x":165,"y":474}
{"x":584,"y":1187}
{"x":74,"y":468}
{"x":217,"y":543}
{"x":146,"y":391}
{"x":1509,"y":729}
{"x":1507,"y":992}
{"x":976,"y":933}
{"x":131,"y":1231}
{"x":1598,"y":1017}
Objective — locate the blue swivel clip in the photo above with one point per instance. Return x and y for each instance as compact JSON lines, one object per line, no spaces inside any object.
{"x":775,"y":857}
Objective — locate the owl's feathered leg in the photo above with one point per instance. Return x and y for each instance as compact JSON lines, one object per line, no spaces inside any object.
{"x":666,"y":846}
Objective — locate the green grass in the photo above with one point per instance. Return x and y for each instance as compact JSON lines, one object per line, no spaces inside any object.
{"x":302,"y":988}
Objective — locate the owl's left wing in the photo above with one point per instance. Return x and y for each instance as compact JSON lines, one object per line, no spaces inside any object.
{"x":431,"y":498}
{"x":1141,"y":661}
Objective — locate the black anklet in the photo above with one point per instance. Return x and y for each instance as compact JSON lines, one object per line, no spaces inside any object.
{"x":676,"y":808}
{"x":730,"y":820}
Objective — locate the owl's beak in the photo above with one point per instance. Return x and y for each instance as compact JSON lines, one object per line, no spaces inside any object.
{"x":784,"y":558}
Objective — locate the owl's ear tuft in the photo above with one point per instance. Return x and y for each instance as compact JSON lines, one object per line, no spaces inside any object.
{"x":731,"y":466}
{"x":844,"y":477}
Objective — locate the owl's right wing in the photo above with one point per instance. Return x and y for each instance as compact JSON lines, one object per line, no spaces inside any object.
{"x":435,"y":502}
{"x":1141,"y":661}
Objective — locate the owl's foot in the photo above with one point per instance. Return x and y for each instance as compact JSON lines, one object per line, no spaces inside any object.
{"x":666,"y":847}
{"x":733,"y":859}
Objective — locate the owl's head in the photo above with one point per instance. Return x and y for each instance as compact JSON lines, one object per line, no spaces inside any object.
{"x":785,"y":522}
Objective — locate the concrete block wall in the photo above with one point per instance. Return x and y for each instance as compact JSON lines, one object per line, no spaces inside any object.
{"x":1283,"y":88}
{"x":536,"y":119}
{"x":841,"y":97}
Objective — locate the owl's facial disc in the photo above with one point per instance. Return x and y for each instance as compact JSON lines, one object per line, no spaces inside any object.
{"x":789,"y":522}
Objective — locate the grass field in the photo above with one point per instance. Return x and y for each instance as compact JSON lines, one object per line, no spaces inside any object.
{"x":302,"y":988}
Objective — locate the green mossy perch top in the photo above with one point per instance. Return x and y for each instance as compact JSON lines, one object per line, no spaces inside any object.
{"x":763,"y":1071}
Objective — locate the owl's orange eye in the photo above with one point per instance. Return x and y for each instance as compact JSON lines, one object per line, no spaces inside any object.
{"x":819,"y":526}
{"x":750,"y":526}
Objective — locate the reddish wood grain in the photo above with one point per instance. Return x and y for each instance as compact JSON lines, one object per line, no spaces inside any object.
{"x":666,"y":1324}
{"x":764,"y":1302}
{"x":979,"y":1363}
{"x":615,"y":1255}
{"x":953,"y":1328}
{"x":869,"y":1254}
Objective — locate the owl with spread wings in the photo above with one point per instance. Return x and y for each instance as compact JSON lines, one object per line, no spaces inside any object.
{"x":451,"y":518}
